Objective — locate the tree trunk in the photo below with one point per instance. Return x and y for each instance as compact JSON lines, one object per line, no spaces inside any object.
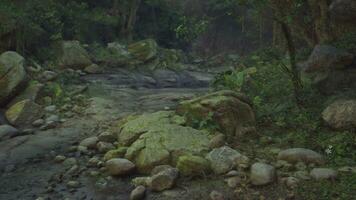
{"x":321,"y":17}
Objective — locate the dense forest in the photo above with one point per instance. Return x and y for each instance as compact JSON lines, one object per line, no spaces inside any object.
{"x":177,"y":99}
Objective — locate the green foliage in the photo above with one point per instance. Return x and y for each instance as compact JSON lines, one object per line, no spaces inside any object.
{"x":190,"y":28}
{"x":347,"y":41}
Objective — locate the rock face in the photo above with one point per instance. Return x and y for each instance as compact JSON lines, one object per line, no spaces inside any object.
{"x":323,"y":173}
{"x":231,"y":111}
{"x":118,"y":166}
{"x":158,"y":138}
{"x":12,"y":74}
{"x":143,"y":50}
{"x":341,"y":114}
{"x":192,"y":165}
{"x":301,"y":155}
{"x":343,"y":10}
{"x":23,"y":113}
{"x":223,"y":159}
{"x":73,"y":55}
{"x":262,"y":174}
{"x":331,"y":69}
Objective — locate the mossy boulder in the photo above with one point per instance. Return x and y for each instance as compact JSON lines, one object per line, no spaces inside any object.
{"x":341,"y":115}
{"x":23,"y":113}
{"x":12,"y":75}
{"x":159,"y":138}
{"x":230,"y":111}
{"x":116,"y":153}
{"x":144,"y":50}
{"x":189,"y":165}
{"x":72,"y":55}
{"x":32,"y":92}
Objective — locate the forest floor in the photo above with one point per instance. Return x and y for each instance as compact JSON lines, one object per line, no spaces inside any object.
{"x":31,"y":172}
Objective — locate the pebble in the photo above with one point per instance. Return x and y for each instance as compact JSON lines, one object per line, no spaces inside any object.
{"x":50,"y":108}
{"x":59,"y":158}
{"x":38,"y":123}
{"x":90,"y":143}
{"x":262,"y":174}
{"x":215,"y":195}
{"x":73,"y":184}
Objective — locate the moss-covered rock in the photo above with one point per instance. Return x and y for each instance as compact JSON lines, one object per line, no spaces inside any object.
{"x":72,"y":55}
{"x":32,"y":92}
{"x":12,"y":75}
{"x":117,"y":153}
{"x":159,"y":138}
{"x":23,"y":113}
{"x":144,"y":50}
{"x":189,"y":165}
{"x":231,"y":111}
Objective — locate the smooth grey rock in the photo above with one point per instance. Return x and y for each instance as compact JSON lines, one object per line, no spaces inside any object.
{"x":222,"y":160}
{"x":138,"y":193}
{"x":119,"y":166}
{"x":90,"y":143}
{"x":262,"y":174}
{"x":323,"y":173}
{"x":295,"y":155}
{"x":164,"y":180}
{"x":7,"y":131}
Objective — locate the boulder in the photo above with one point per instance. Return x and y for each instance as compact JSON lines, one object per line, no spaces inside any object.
{"x":343,"y":10}
{"x":323,"y":173}
{"x":158,"y":138}
{"x":341,"y":114}
{"x":144,"y":50}
{"x":90,"y":143}
{"x":73,"y":55}
{"x":326,"y":58}
{"x":223,"y":159}
{"x":262,"y":174}
{"x":117,"y":153}
{"x":12,"y":75}
{"x":119,"y":166}
{"x":296,"y":155}
{"x":138,"y":193}
{"x":32,"y":92}
{"x":230,"y":111}
{"x":163,"y":180}
{"x":192,"y":165}
{"x":23,"y":113}
{"x":115,"y":55}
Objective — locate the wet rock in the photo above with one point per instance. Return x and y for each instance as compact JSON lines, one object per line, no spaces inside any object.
{"x":262,"y":174}
{"x":217,"y":141}
{"x":295,"y":155}
{"x":231,"y":111}
{"x":23,"y":113}
{"x":90,"y":143}
{"x":52,"y":118}
{"x":50,"y":109}
{"x":323,"y":173}
{"x":341,"y":114}
{"x":138,"y":193}
{"x":164,"y":180}
{"x":215,"y":195}
{"x":70,"y":162}
{"x":104,"y":147}
{"x":192,"y":165}
{"x":222,"y":160}
{"x":119,"y":167}
{"x":7,"y":131}
{"x":12,"y":75}
{"x":38,"y":122}
{"x":73,"y":184}
{"x":107,"y":137}
{"x":93,"y":161}
{"x":116,"y":153}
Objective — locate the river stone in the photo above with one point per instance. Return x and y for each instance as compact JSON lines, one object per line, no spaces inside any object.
{"x":296,"y":155}
{"x":158,"y":139}
{"x":217,"y":141}
{"x":163,"y":180}
{"x":138,"y":193}
{"x":323,"y":173}
{"x":7,"y":131}
{"x":12,"y":75}
{"x":23,"y":113}
{"x":72,"y":55}
{"x":104,"y":147}
{"x":116,"y":153}
{"x":144,"y":50}
{"x":119,"y":166}
{"x":231,"y":111}
{"x":89,"y":142}
{"x":93,"y":69}
{"x":160,"y":168}
{"x":341,"y":114}
{"x":192,"y":165}
{"x":223,"y":159}
{"x":262,"y":174}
